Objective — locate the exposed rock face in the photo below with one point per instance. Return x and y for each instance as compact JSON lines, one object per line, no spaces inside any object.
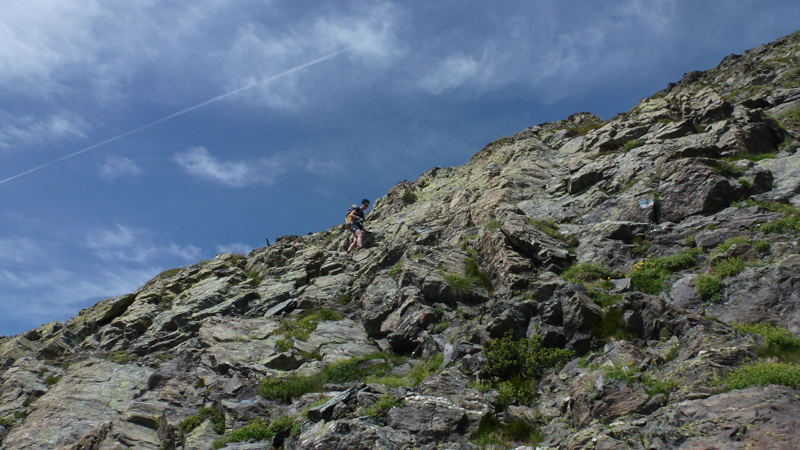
{"x":679,"y":218}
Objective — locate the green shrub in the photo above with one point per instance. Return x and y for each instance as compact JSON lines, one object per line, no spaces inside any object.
{"x":583,"y":273}
{"x":648,"y":276}
{"x":762,"y":245}
{"x":475,"y":275}
{"x":549,"y":227}
{"x":460,"y":286}
{"x":627,"y":373}
{"x":508,"y":358}
{"x":493,"y":432}
{"x":256,"y":429}
{"x":345,"y":298}
{"x":745,"y":183}
{"x":382,"y":406}
{"x":51,"y":380}
{"x":516,"y":390}
{"x":787,"y":224}
{"x":493,"y":225}
{"x":395,"y":270}
{"x":725,"y":246}
{"x":302,"y":325}
{"x":726,"y":169}
{"x":604,"y":299}
{"x":120,"y":357}
{"x":283,"y":344}
{"x":728,"y":267}
{"x":778,"y":341}
{"x":425,"y":368}
{"x":212,"y":414}
{"x":283,"y":389}
{"x":253,"y":278}
{"x":761,"y":374}
{"x":632,"y":144}
{"x":612,"y":325}
{"x":709,"y":287}
{"x":653,"y":385}
{"x":168,"y":273}
{"x":6,"y":422}
{"x":751,"y":157}
{"x":343,"y":371}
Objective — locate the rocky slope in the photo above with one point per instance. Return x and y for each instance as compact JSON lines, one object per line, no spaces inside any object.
{"x":580,"y":285}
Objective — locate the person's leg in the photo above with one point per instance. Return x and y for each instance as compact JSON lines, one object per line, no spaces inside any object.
{"x":352,"y":244}
{"x":358,"y":239}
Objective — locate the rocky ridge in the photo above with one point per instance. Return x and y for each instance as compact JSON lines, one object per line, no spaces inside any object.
{"x":580,"y":285}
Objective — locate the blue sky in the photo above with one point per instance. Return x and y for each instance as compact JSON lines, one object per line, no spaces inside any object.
{"x":225,"y":122}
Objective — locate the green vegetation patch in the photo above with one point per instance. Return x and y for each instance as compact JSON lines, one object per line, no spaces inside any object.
{"x":549,"y":227}
{"x":514,"y":364}
{"x":382,"y":406}
{"x":778,"y":341}
{"x":730,"y":242}
{"x":369,"y":368}
{"x":395,"y":270}
{"x":168,"y":273}
{"x":709,"y":287}
{"x":727,"y":267}
{"x":631,"y":144}
{"x":584,"y":273}
{"x":726,"y":169}
{"x":493,"y":225}
{"x":648,"y":275}
{"x":257,"y":430}
{"x":303,"y":324}
{"x":120,"y":357}
{"x":463,"y":286}
{"x":508,"y":358}
{"x":212,"y":414}
{"x":612,"y":325}
{"x":492,"y":432}
{"x":760,"y":374}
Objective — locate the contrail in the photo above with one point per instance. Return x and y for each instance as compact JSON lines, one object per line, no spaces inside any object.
{"x":183,"y":111}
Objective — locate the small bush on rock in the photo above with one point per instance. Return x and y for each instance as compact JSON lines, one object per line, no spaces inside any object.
{"x":761,"y":374}
{"x":778,"y":341}
{"x":648,"y":275}
{"x":283,"y":389}
{"x":257,"y":430}
{"x":508,"y":358}
{"x":212,"y":414}
{"x":728,"y":267}
{"x":709,"y":287}
{"x":582,"y":273}
{"x":382,"y":406}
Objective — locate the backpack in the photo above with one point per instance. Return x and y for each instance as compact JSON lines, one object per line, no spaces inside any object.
{"x":348,"y":219}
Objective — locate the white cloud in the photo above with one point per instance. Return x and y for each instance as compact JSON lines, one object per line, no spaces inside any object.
{"x":198,"y":162}
{"x":452,"y":72}
{"x":262,"y":50}
{"x":115,"y":167}
{"x":21,"y":250}
{"x":28,"y":130}
{"x":235,"y":248}
{"x":321,"y":167}
{"x":124,"y":243}
{"x":32,"y":297}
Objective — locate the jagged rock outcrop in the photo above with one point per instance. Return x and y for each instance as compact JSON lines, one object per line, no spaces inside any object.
{"x":636,"y":255}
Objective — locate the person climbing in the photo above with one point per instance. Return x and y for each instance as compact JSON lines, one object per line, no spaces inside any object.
{"x":356,"y":216}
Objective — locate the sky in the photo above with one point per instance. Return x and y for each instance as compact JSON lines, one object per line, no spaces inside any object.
{"x":142,"y":135}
